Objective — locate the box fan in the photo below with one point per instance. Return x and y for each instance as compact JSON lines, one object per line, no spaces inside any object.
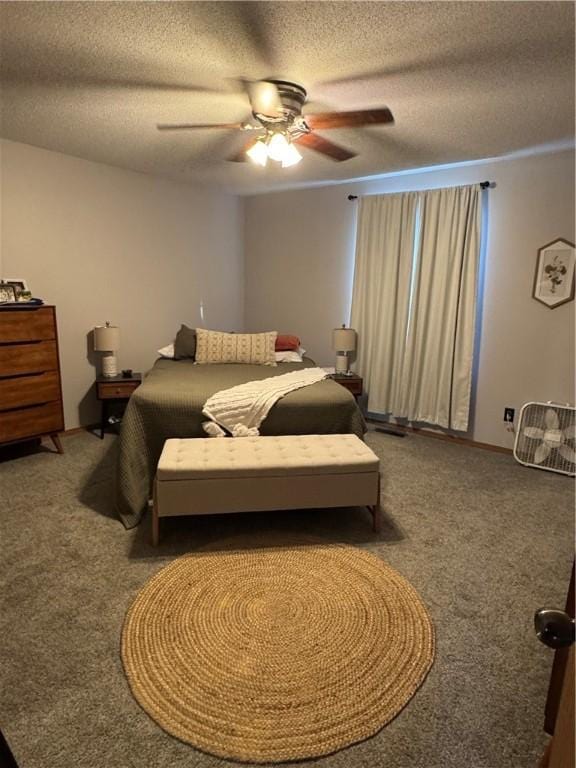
{"x":545,"y":437}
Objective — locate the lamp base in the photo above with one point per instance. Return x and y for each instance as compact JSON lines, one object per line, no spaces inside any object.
{"x":342,"y":363}
{"x":109,"y":365}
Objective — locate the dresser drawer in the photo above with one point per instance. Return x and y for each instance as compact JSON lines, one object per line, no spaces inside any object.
{"x":27,"y":325}
{"x":27,"y":422}
{"x":16,"y":359}
{"x":29,"y":390}
{"x":112,"y":391}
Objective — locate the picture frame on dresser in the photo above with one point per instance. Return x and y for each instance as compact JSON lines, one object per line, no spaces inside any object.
{"x":19,"y":284}
{"x":7,"y":293}
{"x":30,"y":382}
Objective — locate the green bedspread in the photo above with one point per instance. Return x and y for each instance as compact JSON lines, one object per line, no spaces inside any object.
{"x":169,"y":404}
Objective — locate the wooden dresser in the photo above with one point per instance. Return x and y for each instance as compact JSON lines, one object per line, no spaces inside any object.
{"x":30,"y":388}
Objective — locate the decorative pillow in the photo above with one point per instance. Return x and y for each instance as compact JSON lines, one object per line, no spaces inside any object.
{"x":185,"y":343}
{"x":288,"y":357}
{"x":167,"y":351}
{"x":217,"y":347}
{"x":287,"y":343}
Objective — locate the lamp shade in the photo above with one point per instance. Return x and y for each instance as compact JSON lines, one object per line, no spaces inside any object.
{"x":344,"y":339}
{"x":106,"y":338}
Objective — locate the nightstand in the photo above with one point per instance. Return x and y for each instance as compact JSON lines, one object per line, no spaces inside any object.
{"x":353,"y":383}
{"x":114,"y":389}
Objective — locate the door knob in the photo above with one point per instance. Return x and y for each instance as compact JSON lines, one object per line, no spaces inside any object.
{"x":554,"y":628}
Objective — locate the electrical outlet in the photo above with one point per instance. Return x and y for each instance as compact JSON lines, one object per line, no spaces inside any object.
{"x":509,"y":415}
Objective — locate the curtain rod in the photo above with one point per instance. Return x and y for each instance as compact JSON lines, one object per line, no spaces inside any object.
{"x":483,"y":185}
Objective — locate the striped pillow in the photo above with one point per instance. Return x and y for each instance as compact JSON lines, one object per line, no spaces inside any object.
{"x":253,"y":348}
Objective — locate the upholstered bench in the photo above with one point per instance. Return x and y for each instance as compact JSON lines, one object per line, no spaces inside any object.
{"x":205,"y":476}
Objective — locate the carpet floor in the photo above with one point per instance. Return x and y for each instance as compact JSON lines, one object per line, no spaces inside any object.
{"x":483,"y":540}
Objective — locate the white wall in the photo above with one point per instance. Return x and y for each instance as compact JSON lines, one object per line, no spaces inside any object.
{"x":107,"y":244}
{"x":299,"y":259}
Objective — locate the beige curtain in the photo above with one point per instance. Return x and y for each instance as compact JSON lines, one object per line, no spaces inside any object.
{"x":429,"y":308}
{"x":381,"y":294}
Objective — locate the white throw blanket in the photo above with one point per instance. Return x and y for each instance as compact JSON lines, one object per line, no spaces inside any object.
{"x":242,"y":409}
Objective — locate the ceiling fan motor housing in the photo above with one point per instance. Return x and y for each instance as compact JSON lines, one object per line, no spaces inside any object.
{"x":292,"y":97}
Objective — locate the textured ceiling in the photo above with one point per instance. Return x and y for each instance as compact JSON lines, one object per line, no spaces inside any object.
{"x":465,"y":80}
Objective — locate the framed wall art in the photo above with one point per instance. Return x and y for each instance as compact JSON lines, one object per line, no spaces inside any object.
{"x":554,"y":277}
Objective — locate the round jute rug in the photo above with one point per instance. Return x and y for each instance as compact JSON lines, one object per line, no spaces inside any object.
{"x":276,"y":654}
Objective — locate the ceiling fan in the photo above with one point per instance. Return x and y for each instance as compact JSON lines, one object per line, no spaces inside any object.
{"x":278,"y":124}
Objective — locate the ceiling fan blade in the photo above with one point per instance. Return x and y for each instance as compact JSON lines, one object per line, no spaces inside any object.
{"x":349,"y":119}
{"x":240,"y":156}
{"x":325,"y":147}
{"x":196,"y":126}
{"x":264,"y":97}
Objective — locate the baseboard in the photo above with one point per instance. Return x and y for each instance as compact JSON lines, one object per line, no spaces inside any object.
{"x":78,"y":430}
{"x":442,"y":436}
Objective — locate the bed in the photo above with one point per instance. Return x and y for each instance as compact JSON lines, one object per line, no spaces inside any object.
{"x":169,"y":404}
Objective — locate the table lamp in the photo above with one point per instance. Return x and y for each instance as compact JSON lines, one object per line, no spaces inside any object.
{"x":343,"y":342}
{"x":107,"y":340}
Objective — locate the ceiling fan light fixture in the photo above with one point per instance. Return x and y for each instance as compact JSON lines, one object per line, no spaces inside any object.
{"x":277,"y":147}
{"x":291,"y":156}
{"x":258,"y":152}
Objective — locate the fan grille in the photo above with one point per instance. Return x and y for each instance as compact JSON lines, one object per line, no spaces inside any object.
{"x":545,"y":437}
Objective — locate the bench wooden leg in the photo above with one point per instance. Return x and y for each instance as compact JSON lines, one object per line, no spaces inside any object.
{"x":155,"y":520}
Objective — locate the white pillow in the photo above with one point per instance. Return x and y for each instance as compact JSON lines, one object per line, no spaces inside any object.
{"x":167,"y":351}
{"x":288,"y":357}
